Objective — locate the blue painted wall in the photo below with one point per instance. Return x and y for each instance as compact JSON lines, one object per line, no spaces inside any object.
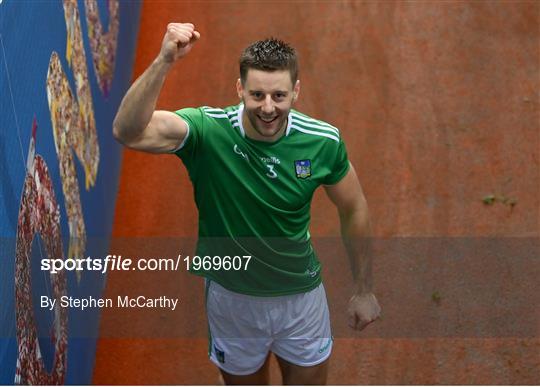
{"x":29,"y":32}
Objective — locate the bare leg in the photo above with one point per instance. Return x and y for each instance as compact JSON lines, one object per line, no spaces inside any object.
{"x":298,"y":375}
{"x":261,"y":377}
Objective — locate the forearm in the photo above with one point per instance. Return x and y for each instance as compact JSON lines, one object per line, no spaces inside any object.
{"x":139,"y":103}
{"x":355,"y":232}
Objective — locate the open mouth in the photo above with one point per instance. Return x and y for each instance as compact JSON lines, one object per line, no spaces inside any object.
{"x":267,"y":120}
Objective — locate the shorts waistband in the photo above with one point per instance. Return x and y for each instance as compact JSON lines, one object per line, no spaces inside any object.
{"x":213,"y":286}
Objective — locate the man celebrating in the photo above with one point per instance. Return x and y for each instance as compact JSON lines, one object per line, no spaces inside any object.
{"x":254,"y":168}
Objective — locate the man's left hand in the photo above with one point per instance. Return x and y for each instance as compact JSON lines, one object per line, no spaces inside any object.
{"x":363,"y":310}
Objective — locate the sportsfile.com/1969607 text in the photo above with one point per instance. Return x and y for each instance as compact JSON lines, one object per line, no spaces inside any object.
{"x":119,"y":263}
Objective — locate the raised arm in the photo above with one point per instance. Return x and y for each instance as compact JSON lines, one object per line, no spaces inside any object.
{"x":349,"y":199}
{"x":137,"y":124}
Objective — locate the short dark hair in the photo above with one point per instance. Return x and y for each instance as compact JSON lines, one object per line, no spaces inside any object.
{"x":269,"y":55}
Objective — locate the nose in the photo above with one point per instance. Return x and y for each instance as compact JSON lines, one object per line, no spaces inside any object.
{"x":268,"y":105}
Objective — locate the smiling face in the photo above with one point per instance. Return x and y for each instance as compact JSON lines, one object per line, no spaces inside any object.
{"x":268,"y":97}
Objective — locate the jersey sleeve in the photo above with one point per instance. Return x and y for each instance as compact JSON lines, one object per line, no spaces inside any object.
{"x":340,"y":167}
{"x":193,"y":117}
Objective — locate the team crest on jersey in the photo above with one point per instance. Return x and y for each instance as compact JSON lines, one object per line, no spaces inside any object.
{"x":302,"y":168}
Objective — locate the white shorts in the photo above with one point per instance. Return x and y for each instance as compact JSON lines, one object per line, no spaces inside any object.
{"x":243,"y":329}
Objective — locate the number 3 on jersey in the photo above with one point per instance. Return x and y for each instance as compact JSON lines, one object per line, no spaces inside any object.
{"x":271,"y":174}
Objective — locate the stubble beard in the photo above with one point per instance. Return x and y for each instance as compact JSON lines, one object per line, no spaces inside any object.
{"x":257,"y":126}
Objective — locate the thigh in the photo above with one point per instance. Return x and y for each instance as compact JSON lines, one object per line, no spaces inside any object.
{"x":298,"y":375}
{"x":260,"y":377}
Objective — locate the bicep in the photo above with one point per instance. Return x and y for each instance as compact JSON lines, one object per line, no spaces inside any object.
{"x":347,"y":194}
{"x":165,"y":132}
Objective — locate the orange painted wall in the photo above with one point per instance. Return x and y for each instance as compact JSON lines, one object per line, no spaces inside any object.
{"x":438,"y":103}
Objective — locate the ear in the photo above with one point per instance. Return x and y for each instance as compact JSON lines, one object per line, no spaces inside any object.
{"x":239,"y":88}
{"x":296,"y":90}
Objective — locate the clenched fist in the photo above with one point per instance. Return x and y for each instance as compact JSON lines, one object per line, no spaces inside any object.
{"x":178,"y":41}
{"x":363,"y":310}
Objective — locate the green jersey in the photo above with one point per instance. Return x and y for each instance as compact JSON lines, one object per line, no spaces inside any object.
{"x":254,"y":198}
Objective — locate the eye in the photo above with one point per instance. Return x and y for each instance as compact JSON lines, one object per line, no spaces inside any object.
{"x":257,"y":94}
{"x":280,"y":95}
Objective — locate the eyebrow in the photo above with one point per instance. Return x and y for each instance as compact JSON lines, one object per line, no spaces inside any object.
{"x":277,"y":91}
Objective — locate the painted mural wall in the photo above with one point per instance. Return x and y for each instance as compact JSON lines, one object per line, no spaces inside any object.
{"x":64,"y":67}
